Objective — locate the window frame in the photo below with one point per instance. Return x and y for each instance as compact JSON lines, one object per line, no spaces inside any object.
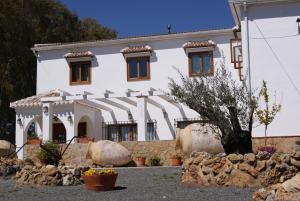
{"x":201,"y":53}
{"x":89,"y":73}
{"x":138,"y":68}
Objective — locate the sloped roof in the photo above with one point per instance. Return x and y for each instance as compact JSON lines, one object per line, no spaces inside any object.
{"x":134,"y":39}
{"x":33,"y":101}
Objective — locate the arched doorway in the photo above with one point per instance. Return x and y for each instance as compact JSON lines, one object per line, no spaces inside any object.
{"x":84,"y":127}
{"x":59,"y":133}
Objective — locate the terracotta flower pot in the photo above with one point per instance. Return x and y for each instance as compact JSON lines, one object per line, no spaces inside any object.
{"x":175,"y":161}
{"x":85,"y":140}
{"x":103,"y":182}
{"x":34,"y":141}
{"x":140,"y":161}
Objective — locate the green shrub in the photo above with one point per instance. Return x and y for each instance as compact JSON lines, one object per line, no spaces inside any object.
{"x":154,"y":161}
{"x":297,"y":142}
{"x":50,"y":154}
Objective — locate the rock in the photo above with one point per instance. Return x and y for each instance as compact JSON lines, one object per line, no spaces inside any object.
{"x":28,"y":167}
{"x":228,"y":167}
{"x":199,"y":158}
{"x":221,"y":179}
{"x":263,"y":155}
{"x":6,"y":148}
{"x":206,"y":170}
{"x":68,"y":180}
{"x":248,"y":168}
{"x":296,"y":155}
{"x":292,"y":185}
{"x":199,"y":137}
{"x":234,"y":158}
{"x":286,"y":158}
{"x":295,"y":162}
{"x":241,"y":179}
{"x":260,"y":195}
{"x":260,"y":166}
{"x":270,"y":177}
{"x":105,"y":152}
{"x":28,"y":161}
{"x":250,"y":158}
{"x":77,"y":172}
{"x":10,"y":170}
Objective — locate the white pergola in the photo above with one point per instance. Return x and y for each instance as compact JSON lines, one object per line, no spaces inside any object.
{"x":43,"y":107}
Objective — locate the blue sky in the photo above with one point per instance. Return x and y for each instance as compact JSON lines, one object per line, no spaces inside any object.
{"x":140,"y":17}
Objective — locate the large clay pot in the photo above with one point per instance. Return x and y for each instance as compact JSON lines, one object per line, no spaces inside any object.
{"x":103,"y":182}
{"x":108,"y":153}
{"x":140,"y":161}
{"x":175,"y":161}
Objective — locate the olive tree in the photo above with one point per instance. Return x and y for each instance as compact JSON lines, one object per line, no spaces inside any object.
{"x":222,"y":100}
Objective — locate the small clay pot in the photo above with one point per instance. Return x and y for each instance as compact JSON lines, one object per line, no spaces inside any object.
{"x":140,"y":161}
{"x":175,"y":161}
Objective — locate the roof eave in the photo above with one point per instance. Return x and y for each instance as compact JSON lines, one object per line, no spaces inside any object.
{"x":39,"y":47}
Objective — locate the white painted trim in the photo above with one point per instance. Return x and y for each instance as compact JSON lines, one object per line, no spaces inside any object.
{"x":199,"y":49}
{"x":137,"y":54}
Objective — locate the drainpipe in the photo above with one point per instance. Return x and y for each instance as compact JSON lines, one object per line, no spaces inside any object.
{"x":247,"y":49}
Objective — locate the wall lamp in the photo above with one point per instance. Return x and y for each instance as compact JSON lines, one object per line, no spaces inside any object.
{"x":130,"y":117}
{"x":298,"y":22}
{"x":45,"y":109}
{"x":19,"y":121}
{"x":70,"y":119}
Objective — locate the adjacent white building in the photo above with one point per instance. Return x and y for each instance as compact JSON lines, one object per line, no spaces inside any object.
{"x":114,"y":89}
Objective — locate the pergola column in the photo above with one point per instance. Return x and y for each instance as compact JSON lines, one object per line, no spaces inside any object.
{"x":21,"y":138}
{"x":142,"y":117}
{"x":47,"y":121}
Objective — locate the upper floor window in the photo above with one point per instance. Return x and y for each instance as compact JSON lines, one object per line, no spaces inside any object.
{"x":201,"y":63}
{"x":80,"y":72}
{"x":138,"y":68}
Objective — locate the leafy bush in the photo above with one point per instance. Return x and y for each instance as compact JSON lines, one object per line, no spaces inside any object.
{"x":154,"y":161}
{"x":49,"y":154}
{"x":297,"y":142}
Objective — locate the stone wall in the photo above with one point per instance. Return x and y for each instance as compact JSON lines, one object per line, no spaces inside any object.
{"x":282,"y":144}
{"x":75,"y":154}
{"x":249,"y":170}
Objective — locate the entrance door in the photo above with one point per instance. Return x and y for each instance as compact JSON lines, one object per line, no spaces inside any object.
{"x":82,"y":129}
{"x":59,"y":133}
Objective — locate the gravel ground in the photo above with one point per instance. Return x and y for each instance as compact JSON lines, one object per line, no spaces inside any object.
{"x":133,"y":184}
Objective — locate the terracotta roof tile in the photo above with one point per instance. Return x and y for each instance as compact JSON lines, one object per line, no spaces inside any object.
{"x":195,"y":44}
{"x":79,"y":54}
{"x":36,"y":100}
{"x":135,"y":49}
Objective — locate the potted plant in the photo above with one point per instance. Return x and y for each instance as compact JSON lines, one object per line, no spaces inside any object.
{"x":175,"y":160}
{"x":268,"y":149}
{"x":99,"y":180}
{"x":49,"y":154}
{"x":140,"y":161}
{"x":296,"y":146}
{"x":154,"y":161}
{"x":33,"y":139}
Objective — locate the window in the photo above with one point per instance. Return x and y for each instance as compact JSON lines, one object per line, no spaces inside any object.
{"x":138,"y":68}
{"x":80,"y":72}
{"x":127,"y":131}
{"x":201,"y":63}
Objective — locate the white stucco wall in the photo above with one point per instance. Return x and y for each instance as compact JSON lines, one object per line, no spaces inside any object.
{"x":276,"y":22}
{"x":109,"y":72}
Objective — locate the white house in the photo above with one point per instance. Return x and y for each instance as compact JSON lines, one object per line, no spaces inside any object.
{"x":114,"y":89}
